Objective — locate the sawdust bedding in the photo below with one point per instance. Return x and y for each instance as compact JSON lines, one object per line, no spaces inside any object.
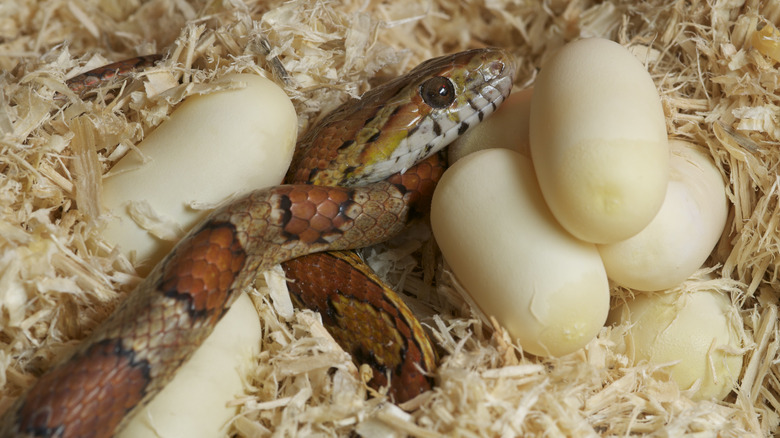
{"x":58,"y":279}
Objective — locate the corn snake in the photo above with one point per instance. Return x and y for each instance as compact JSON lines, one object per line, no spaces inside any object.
{"x":356,"y":179}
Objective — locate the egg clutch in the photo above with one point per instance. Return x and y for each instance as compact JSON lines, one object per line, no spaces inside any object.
{"x":573,"y":186}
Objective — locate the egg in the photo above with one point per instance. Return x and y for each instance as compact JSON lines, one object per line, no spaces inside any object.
{"x":683,"y":233}
{"x":547,"y":288}
{"x":196,"y":401}
{"x":212,"y":147}
{"x":696,"y":332}
{"x":598,"y":141}
{"x":507,"y":128}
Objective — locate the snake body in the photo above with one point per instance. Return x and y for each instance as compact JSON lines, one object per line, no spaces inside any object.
{"x":90,"y":80}
{"x":349,"y":198}
{"x":363,"y":314}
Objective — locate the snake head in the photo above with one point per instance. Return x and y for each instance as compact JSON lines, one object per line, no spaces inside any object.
{"x":405,"y":120}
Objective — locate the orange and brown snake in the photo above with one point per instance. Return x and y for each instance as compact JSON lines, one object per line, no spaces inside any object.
{"x":356,"y":179}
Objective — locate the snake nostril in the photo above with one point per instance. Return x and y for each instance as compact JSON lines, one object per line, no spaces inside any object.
{"x":496,"y":68}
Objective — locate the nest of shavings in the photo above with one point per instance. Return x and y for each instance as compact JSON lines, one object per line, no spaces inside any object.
{"x":58,"y":279}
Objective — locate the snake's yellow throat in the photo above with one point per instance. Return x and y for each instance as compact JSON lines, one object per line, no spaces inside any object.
{"x":448,"y":95}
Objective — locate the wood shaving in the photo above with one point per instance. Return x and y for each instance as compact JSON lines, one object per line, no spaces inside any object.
{"x":715,"y":64}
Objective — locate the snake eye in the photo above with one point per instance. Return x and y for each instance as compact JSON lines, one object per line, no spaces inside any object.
{"x":437,"y":92}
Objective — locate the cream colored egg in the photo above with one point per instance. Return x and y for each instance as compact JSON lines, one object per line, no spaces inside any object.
{"x":598,"y":141}
{"x":506,"y":128}
{"x":548,"y":289}
{"x":696,"y":331}
{"x":683,"y":233}
{"x":213,"y":146}
{"x":196,"y":401}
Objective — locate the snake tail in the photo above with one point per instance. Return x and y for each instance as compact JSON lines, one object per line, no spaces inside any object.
{"x":88,"y":81}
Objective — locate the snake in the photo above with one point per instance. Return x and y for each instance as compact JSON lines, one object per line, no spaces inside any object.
{"x":357,"y":178}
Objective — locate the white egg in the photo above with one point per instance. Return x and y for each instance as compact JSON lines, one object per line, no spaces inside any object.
{"x":683,"y":233}
{"x":695,"y":331}
{"x":548,"y":289}
{"x":506,"y":128}
{"x":598,"y":141}
{"x":212,"y":146}
{"x":196,"y":401}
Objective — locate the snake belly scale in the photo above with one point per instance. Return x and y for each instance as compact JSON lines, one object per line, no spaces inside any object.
{"x":347,"y":194}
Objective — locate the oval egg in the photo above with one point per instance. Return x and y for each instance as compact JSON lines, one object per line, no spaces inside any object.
{"x":212,"y":147}
{"x":598,"y":141}
{"x":695,"y":332}
{"x":548,"y":289}
{"x":683,"y":233}
{"x":196,"y":402}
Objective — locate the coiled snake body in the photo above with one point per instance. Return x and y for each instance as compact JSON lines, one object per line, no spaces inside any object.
{"x":348,"y":194}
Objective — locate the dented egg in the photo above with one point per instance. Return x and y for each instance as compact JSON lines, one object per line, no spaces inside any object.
{"x":547,"y":288}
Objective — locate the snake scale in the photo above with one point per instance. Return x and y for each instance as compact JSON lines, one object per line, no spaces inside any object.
{"x":356,"y":179}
